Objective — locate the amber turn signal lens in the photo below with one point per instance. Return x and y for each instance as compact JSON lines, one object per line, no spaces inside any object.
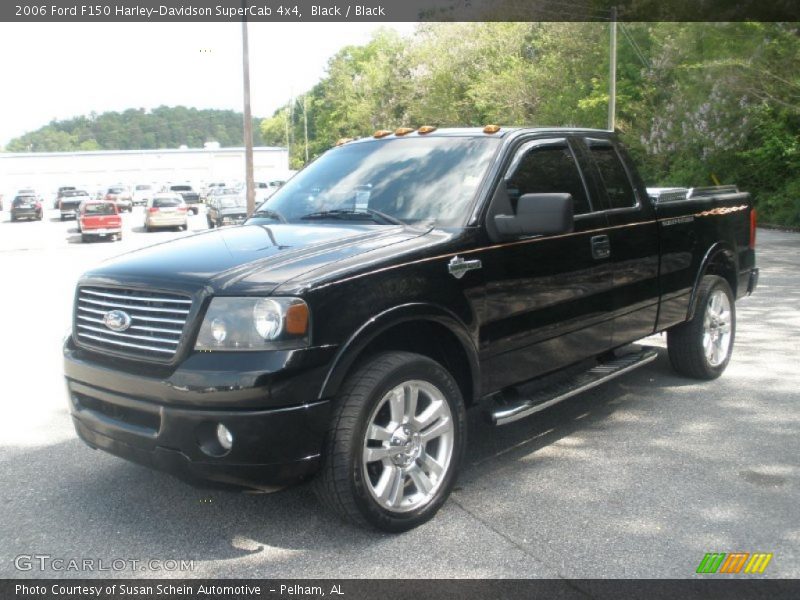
{"x":403,"y":130}
{"x":381,"y":133}
{"x":491,"y":129}
{"x":297,"y":319}
{"x":342,"y":141}
{"x":426,"y":129}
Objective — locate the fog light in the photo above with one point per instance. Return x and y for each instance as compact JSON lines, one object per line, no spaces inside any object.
{"x":224,"y":437}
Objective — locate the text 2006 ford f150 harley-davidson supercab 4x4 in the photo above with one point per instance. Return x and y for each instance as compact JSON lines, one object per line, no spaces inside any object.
{"x":398,"y":280}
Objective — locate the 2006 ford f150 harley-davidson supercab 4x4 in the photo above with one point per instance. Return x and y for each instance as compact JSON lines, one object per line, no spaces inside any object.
{"x":398,"y":280}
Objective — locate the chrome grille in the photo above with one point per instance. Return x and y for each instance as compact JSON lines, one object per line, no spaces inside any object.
{"x":156,"y":325}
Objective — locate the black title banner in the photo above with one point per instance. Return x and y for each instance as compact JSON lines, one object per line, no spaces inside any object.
{"x":394,"y":589}
{"x":286,"y":11}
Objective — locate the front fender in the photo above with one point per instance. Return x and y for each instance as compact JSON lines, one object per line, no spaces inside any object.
{"x":371,"y":329}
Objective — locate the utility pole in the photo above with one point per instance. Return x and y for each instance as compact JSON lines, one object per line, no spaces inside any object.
{"x":305,"y":123}
{"x":612,"y":72}
{"x":248,"y":121}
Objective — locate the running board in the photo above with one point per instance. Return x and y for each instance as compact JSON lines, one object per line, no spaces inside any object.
{"x":539,"y":399}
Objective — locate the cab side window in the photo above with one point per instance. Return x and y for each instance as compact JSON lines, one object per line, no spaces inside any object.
{"x":613,"y":176}
{"x":548,"y":169}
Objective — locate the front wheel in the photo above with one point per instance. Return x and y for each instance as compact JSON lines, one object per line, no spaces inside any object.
{"x":701,"y":348}
{"x":395,"y":443}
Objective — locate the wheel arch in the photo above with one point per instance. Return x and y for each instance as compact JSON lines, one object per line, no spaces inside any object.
{"x":720,"y":260}
{"x":426,"y":329}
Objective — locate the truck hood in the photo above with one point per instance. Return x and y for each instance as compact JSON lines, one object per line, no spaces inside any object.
{"x":249,"y":259}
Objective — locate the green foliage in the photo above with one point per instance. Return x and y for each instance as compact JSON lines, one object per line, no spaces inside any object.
{"x":138,"y":129}
{"x":696,"y":102}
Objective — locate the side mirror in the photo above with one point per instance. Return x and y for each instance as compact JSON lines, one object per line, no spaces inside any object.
{"x":538,"y":214}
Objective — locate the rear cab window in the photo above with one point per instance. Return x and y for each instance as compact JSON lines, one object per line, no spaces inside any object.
{"x":613,"y":178}
{"x":104,"y":208}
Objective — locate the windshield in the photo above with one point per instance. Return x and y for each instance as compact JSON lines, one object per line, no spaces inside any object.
{"x":140,"y":188}
{"x":180,"y":188}
{"x":407,"y":179}
{"x":116,"y":190}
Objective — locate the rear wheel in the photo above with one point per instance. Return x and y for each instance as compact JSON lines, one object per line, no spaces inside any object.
{"x":395,"y":443}
{"x":701,"y":348}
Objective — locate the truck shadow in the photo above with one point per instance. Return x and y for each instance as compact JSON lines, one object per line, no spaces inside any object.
{"x":97,"y":505}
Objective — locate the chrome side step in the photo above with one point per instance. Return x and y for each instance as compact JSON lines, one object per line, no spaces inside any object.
{"x":539,"y":399}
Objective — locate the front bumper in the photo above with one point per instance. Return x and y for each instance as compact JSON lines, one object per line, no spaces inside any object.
{"x":172,"y":428}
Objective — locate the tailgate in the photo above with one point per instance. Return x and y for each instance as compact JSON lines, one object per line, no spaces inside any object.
{"x":102,"y":222}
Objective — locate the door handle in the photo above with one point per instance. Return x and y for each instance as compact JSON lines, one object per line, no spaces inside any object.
{"x":601,"y":247}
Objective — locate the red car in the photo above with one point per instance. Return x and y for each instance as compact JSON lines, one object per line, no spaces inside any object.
{"x":99,"y":219}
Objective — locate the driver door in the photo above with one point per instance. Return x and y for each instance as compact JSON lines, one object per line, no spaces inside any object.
{"x":547,"y":297}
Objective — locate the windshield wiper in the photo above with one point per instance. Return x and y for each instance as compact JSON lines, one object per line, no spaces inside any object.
{"x":270,"y":214}
{"x":339,"y":213}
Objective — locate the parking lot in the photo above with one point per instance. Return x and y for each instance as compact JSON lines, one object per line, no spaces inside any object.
{"x":638,"y":478}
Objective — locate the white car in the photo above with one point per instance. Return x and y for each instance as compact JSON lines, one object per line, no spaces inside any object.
{"x":165,"y":210}
{"x":142,"y":193}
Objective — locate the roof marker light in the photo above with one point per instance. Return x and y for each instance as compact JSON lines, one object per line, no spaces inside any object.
{"x":381,"y":133}
{"x":491,"y":129}
{"x":426,"y":129}
{"x":403,"y":130}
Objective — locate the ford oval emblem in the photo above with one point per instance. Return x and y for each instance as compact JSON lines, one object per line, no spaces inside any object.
{"x":117,"y":320}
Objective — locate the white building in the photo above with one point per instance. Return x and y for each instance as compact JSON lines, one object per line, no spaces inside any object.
{"x":93,"y":170}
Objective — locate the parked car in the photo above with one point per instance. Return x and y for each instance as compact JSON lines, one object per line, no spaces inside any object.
{"x":60,"y":192}
{"x":226,"y":210}
{"x":190,"y":197}
{"x":70,"y":203}
{"x":210,"y":187}
{"x":165,"y":210}
{"x":121,"y":196}
{"x":386,"y":288}
{"x":99,"y":219}
{"x":265,"y":189}
{"x":26,"y":206}
{"x":142,"y":193}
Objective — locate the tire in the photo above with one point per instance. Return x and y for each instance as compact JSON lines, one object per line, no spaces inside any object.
{"x":701,"y":348}
{"x":85,"y":239}
{"x":350,"y":485}
{"x":210,"y":224}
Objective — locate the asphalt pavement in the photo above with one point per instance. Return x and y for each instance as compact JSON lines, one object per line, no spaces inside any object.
{"x":637,"y":478}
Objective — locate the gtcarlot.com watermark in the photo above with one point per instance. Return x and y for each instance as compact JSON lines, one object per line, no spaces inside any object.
{"x":46,"y":562}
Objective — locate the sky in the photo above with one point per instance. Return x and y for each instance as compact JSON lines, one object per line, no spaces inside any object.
{"x":57,"y":71}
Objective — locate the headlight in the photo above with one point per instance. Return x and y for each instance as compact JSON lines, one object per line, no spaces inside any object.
{"x":254,"y":324}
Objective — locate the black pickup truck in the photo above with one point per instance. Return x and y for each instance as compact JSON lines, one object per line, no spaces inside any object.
{"x":398,"y":280}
